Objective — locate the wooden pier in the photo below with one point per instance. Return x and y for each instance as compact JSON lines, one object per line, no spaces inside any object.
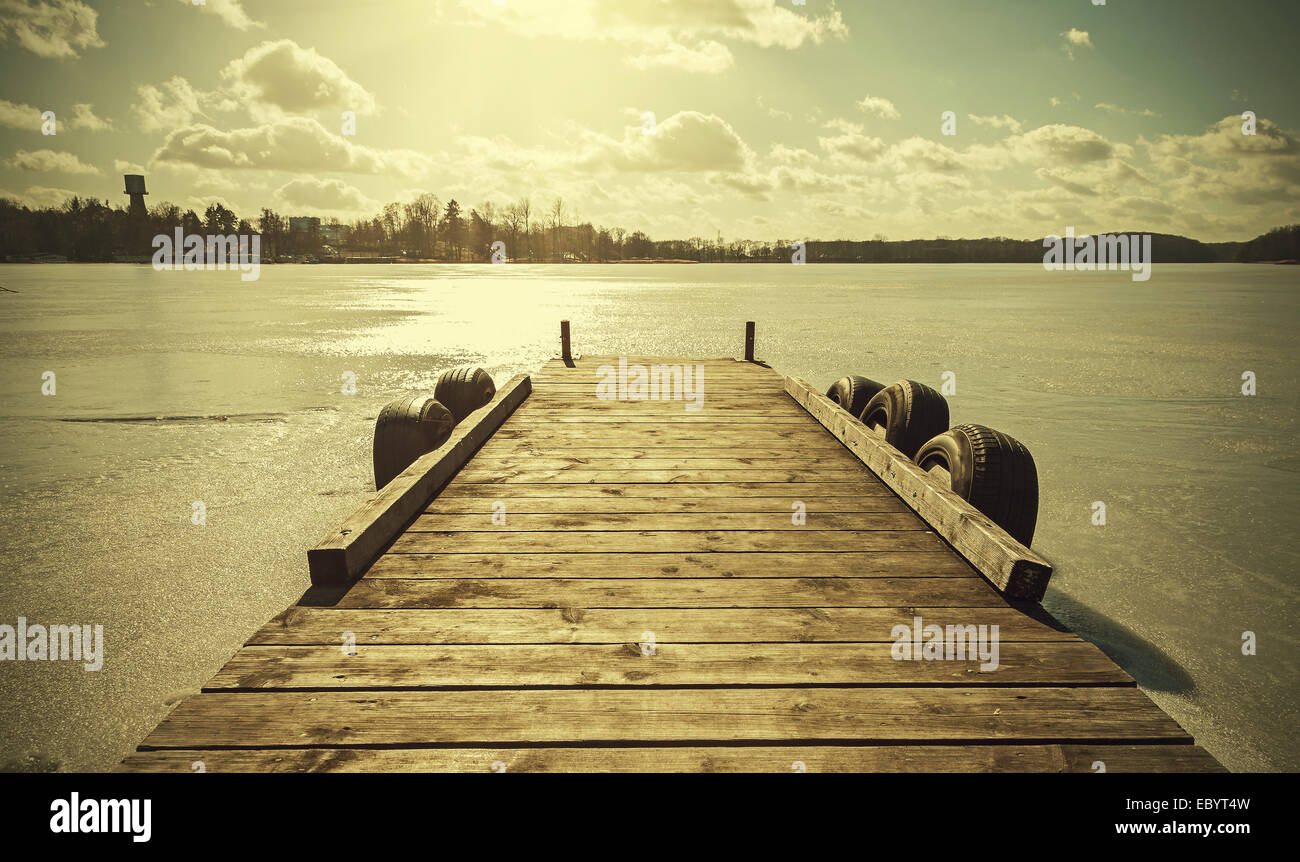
{"x":647,"y":600}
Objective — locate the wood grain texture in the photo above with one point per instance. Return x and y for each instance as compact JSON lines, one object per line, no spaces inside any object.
{"x":813,"y":507}
{"x":863,"y":486}
{"x":658,"y":521}
{"x":969,"y":714}
{"x":647,"y":662}
{"x":302,"y":626}
{"x":643,"y":759}
{"x":579,"y":475}
{"x":754,"y":593}
{"x":538,"y":462}
{"x":666,"y":541}
{"x":821,"y":564}
{"x":513,"y":449}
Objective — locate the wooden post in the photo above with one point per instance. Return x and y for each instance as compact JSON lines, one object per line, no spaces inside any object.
{"x":566,"y":352}
{"x":749,"y":341}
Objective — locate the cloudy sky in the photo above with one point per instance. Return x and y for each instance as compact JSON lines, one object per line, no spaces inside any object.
{"x":767,"y":118}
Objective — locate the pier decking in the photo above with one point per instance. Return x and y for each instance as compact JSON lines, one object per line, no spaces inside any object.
{"x":650,"y":603}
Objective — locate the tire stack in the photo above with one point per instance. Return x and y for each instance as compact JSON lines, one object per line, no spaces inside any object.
{"x":410,"y":427}
{"x":992,"y":471}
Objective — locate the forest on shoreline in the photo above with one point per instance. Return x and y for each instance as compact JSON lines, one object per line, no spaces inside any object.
{"x":425,"y":229}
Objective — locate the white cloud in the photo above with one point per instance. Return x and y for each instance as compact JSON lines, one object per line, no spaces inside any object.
{"x":709,"y":57}
{"x":1061,"y":144}
{"x":686,"y":141}
{"x":924,"y":155}
{"x":50,"y":161}
{"x":282,"y":77}
{"x":851,"y":143}
{"x":690,"y":36}
{"x":1074,"y":38}
{"x":172,"y":104}
{"x":50,"y":28}
{"x":330,"y":196}
{"x":83,"y":117}
{"x":775,"y":113}
{"x":994,"y":121}
{"x":1116,"y":109}
{"x":293,"y":144}
{"x":18,"y":116}
{"x":1224,"y":164}
{"x":879,"y":106}
{"x":230,"y":11}
{"x":40,"y":197}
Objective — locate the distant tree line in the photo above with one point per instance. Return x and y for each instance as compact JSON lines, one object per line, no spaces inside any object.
{"x":85,"y":229}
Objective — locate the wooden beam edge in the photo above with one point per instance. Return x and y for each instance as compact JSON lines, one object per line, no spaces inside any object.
{"x":1014,"y":569}
{"x":342,"y":556}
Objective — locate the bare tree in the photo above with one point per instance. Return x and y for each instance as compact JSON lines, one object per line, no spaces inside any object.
{"x":557,"y":219}
{"x":513,"y":221}
{"x":526,"y":211}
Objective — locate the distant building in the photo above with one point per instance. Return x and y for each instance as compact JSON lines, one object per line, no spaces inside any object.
{"x":333,"y":234}
{"x":135,"y":191}
{"x":304,"y":224}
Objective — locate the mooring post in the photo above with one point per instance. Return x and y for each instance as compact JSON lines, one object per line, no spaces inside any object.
{"x":565,"y":352}
{"x":749,"y":341}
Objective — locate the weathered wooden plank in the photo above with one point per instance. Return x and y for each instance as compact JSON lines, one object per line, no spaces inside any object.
{"x":666,"y":395}
{"x":642,"y":759}
{"x":638,"y":521}
{"x":1009,"y":565}
{"x":341,"y":556}
{"x":714,"y":383}
{"x":875,"y":564}
{"x":479,"y":506}
{"x":665,"y":541}
{"x":867,"y":485}
{"x":510,"y":450}
{"x":809,"y":592}
{"x":304,"y":626}
{"x":525,"y":463}
{"x":970,"y":714}
{"x":646,"y":662}
{"x":822,"y":445}
{"x":592,"y":362}
{"x":709,"y":409}
{"x":617,"y":433}
{"x":490,"y":475}
{"x":592,"y":419}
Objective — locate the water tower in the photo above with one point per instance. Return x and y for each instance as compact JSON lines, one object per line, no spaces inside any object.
{"x":135,"y":189}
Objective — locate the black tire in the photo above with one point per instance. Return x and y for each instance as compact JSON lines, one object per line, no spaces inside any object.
{"x":406,"y":429}
{"x":910,"y":412}
{"x":993,"y":471}
{"x":465,"y":389}
{"x":853,"y":392}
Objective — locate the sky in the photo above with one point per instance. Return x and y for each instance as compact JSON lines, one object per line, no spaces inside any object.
{"x":754,"y":119}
